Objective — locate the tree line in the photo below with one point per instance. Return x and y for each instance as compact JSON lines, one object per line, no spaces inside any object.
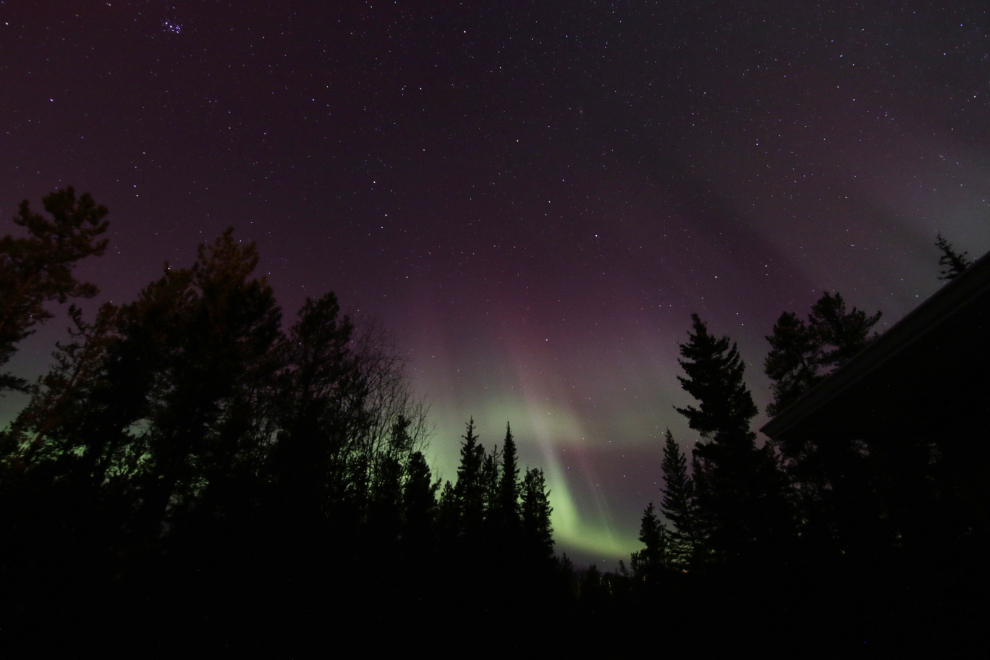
{"x":844,"y":498}
{"x":186,"y":445}
{"x":867,"y":533}
{"x":189,"y":463}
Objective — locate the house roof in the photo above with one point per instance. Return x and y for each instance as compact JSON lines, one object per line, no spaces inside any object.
{"x":929,"y":373}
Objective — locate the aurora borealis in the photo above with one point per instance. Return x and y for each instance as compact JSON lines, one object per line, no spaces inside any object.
{"x":533,"y":197}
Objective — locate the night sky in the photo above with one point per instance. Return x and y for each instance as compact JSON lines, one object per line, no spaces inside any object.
{"x":534,"y":196}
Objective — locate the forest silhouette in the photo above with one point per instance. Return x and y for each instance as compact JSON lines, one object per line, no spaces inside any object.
{"x":193,"y":471}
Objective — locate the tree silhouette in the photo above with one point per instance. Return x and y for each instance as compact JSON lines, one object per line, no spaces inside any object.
{"x":448,"y":512}
{"x":508,"y":487}
{"x":319,"y":399}
{"x":536,"y":510}
{"x":829,"y":477}
{"x":648,"y":564}
{"x":714,"y":376}
{"x":419,"y":502}
{"x":470,"y":488}
{"x":38,"y":269}
{"x":793,"y":361}
{"x":739,"y":490}
{"x":952,"y":263}
{"x":678,"y":504}
{"x":63,"y":395}
{"x":801,"y":355}
{"x":201,"y":463}
{"x":490,"y":472}
{"x":206,"y":334}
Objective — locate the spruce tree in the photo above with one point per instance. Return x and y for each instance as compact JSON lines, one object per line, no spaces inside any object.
{"x":648,"y":563}
{"x":470,"y":488}
{"x":508,"y":487}
{"x":678,"y":504}
{"x":317,"y":393}
{"x":536,"y":510}
{"x":714,"y":376}
{"x":739,"y":497}
{"x":490,"y":472}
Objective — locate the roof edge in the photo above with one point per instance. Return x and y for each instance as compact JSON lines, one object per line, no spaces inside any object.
{"x":942,"y":305}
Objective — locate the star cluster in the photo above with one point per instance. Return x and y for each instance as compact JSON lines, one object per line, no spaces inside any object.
{"x":535,"y":198}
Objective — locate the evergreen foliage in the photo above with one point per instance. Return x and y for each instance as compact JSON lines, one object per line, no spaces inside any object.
{"x":536,"y":510}
{"x":490,"y":472}
{"x":184,"y":441}
{"x":470,"y":488}
{"x":678,"y":506}
{"x":508,"y":486}
{"x":419,"y":501}
{"x":802,"y":354}
{"x":739,"y":490}
{"x":188,"y":465}
{"x":650,"y":562}
{"x":714,"y":376}
{"x":951,"y":263}
{"x":37,"y":269}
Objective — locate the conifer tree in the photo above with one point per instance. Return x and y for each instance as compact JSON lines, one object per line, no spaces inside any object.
{"x":470,"y":488}
{"x":793,"y":363}
{"x":951,"y":262}
{"x":38,"y":269}
{"x":739,"y":495}
{"x":801,"y":354}
{"x":448,"y":512}
{"x":490,"y":479}
{"x":318,"y":395}
{"x":648,"y":563}
{"x":508,"y":487}
{"x":63,"y":395}
{"x":204,"y":334}
{"x":419,"y":500}
{"x":536,"y":510}
{"x":678,"y":504}
{"x":841,"y":334}
{"x":714,"y":376}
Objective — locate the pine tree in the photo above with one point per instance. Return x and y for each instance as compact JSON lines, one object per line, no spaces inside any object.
{"x":678,"y":504}
{"x":319,"y":406}
{"x":38,"y":269}
{"x":801,"y":354}
{"x":951,"y":262}
{"x":63,"y":395}
{"x":793,"y":362}
{"x":203,"y":338}
{"x":841,"y":335}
